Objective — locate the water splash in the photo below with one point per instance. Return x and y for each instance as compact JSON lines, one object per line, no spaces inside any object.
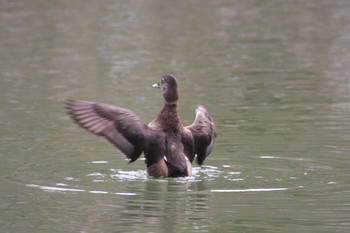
{"x":208,"y":172}
{"x":121,"y":175}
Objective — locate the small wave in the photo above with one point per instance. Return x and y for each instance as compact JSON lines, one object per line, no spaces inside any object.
{"x":126,"y":194}
{"x":65,"y":190}
{"x":55,"y":189}
{"x":247,"y":190}
{"x":99,"y":161}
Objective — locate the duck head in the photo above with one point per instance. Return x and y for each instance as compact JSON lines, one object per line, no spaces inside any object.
{"x":168,"y":87}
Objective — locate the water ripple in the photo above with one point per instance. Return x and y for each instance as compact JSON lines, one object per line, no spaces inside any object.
{"x":65,"y":190}
{"x":247,"y":190}
{"x":55,"y":189}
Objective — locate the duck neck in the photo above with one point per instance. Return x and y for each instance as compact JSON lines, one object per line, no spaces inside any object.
{"x":169,"y":116}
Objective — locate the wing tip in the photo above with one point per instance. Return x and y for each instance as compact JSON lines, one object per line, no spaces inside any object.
{"x":70,"y":103}
{"x":201,"y":109}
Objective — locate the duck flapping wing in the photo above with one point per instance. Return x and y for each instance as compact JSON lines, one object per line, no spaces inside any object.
{"x":118,"y":125}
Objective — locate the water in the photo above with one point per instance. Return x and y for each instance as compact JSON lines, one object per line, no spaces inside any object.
{"x":274,"y":74}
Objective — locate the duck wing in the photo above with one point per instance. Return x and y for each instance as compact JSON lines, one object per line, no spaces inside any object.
{"x":119,"y":126}
{"x":203,"y":131}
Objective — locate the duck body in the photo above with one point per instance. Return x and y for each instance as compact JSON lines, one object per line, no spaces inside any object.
{"x":178,"y":141}
{"x":169,"y":147}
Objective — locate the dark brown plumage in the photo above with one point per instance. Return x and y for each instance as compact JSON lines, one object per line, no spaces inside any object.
{"x":168,"y":146}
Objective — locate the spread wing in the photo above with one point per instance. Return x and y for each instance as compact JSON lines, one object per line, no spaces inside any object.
{"x":118,"y":125}
{"x":203,"y":131}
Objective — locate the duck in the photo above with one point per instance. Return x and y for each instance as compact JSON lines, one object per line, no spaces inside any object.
{"x":169,"y":148}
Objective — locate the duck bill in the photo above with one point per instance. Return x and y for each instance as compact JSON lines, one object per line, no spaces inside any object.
{"x":156,"y":85}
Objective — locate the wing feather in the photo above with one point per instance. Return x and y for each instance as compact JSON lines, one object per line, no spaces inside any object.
{"x":204,"y":133}
{"x":118,"y":125}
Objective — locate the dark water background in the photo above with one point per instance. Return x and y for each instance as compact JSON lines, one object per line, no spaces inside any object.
{"x":275,"y":75}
